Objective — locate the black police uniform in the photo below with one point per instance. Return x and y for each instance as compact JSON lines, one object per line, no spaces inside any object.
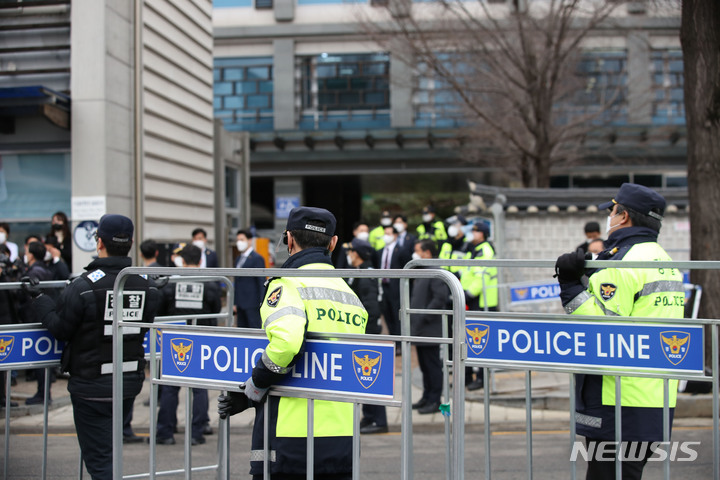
{"x":83,"y":319}
{"x":187,"y":298}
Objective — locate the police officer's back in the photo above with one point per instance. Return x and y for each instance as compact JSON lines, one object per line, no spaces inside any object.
{"x":82,"y":318}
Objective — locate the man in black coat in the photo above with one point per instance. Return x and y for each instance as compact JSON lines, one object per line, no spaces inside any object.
{"x":249,"y":291}
{"x":359,"y":255}
{"x":391,"y":256}
{"x":431,"y":294}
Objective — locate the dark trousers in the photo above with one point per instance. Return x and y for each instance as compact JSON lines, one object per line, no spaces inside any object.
{"x":93,"y":424}
{"x":391,"y":308}
{"x":431,"y":368}
{"x":631,"y":470}
{"x":375,"y":414}
{"x":249,"y":318}
{"x":167,"y":415}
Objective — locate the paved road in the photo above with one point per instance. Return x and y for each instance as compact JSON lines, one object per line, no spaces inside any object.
{"x":380,"y":454}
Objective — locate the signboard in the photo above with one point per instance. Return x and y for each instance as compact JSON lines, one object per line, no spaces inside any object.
{"x":326,"y":366}
{"x":598,"y":344}
{"x":88,"y":208}
{"x":28,"y":346}
{"x":84,"y":235}
{"x":535,"y":292}
{"x":158,"y":336}
{"x":283,"y":205}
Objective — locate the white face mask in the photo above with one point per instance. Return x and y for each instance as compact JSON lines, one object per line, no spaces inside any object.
{"x":400,"y":227}
{"x":608,"y":228}
{"x":178,"y":261}
{"x":468,"y":237}
{"x":200,"y":244}
{"x":386,"y":222}
{"x":242,"y":245}
{"x":3,"y":237}
{"x":48,"y":256}
{"x":427,"y":217}
{"x":453,"y":230}
{"x":415,"y":256}
{"x":363,"y":236}
{"x":349,"y":259}
{"x":388,"y":239}
{"x":25,"y":259}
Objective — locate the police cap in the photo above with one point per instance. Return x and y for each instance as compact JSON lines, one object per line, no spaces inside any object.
{"x":116,"y":228}
{"x":363,"y":248}
{"x":640,"y":198}
{"x":312,"y":219}
{"x":481,"y":227}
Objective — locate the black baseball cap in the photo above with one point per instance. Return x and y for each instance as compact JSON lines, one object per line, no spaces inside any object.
{"x":481,"y":227}
{"x":640,"y":198}
{"x":300,"y":218}
{"x":116,"y":228}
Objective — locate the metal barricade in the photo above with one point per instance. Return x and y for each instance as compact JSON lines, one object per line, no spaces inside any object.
{"x":30,"y":329}
{"x":405,"y":339}
{"x":460,"y":344}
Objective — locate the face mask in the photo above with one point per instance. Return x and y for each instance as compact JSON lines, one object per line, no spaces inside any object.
{"x":386,"y":222}
{"x":242,"y":245}
{"x":468,"y":237}
{"x":400,"y":227}
{"x":178,"y":261}
{"x":57,"y":226}
{"x":3,"y":237}
{"x":25,"y":259}
{"x":415,"y":256}
{"x":388,"y":239}
{"x":200,"y":244}
{"x":349,"y":259}
{"x":427,"y":218}
{"x":607,"y":224}
{"x":48,"y":256}
{"x":363,"y":236}
{"x":453,"y":230}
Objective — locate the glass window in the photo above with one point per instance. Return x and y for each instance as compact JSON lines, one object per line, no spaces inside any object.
{"x":669,"y":99}
{"x":244,"y":99}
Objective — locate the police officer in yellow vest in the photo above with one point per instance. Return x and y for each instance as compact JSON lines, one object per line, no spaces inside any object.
{"x":480,"y":283}
{"x":430,"y":227}
{"x":291,"y":307}
{"x":632,"y":229}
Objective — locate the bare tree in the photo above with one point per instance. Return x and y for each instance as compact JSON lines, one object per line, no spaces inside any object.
{"x":507,"y":73}
{"x":700,"y":38}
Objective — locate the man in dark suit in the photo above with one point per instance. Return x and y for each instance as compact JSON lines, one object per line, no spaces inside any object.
{"x":249,"y":291}
{"x":405,"y":239}
{"x":392,"y":256}
{"x":209,"y":257}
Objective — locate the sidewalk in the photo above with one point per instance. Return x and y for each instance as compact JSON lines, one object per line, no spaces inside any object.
{"x":550,"y":403}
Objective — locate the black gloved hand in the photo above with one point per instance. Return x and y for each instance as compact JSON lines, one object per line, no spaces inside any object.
{"x":570,"y":267}
{"x":30,"y":286}
{"x":232,"y":403}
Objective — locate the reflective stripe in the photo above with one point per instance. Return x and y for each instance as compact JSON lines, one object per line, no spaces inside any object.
{"x":106,"y":368}
{"x":285,"y":311}
{"x":661,"y":286}
{"x":259,"y":455}
{"x":126,"y":330}
{"x":576,"y":302}
{"x":582,"y":419}
{"x":330,"y":294}
{"x":272,"y":366}
{"x":606,"y":311}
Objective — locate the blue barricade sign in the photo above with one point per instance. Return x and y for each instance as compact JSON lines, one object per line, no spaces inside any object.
{"x":327,"y":366}
{"x":18,"y":347}
{"x":600,"y":344}
{"x":535,"y":292}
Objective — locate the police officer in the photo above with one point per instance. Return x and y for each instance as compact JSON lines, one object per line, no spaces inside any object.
{"x":430,"y":227}
{"x":290,"y":308}
{"x":632,"y":229}
{"x":82,"y":318}
{"x":187,"y":298}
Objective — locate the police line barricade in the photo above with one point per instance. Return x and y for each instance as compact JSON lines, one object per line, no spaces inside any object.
{"x":27,"y":346}
{"x":594,"y":345}
{"x":302,"y":390}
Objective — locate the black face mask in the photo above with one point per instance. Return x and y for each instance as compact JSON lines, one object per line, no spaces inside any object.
{"x":57,"y":226}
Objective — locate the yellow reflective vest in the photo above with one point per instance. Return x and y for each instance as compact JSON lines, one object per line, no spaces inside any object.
{"x":481,"y":282}
{"x":292,"y":306}
{"x":628,"y":292}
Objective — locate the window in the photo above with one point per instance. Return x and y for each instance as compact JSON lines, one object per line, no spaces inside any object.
{"x":262,"y":4}
{"x":243,"y":93}
{"x":667,"y":76}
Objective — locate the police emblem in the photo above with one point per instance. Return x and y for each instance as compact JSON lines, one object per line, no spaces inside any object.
{"x":607,"y":291}
{"x":182,"y":352}
{"x":366,"y":364}
{"x":675,"y":345}
{"x":477,"y":337}
{"x":6,"y":344}
{"x":274,"y":297}
{"x":522,"y":293}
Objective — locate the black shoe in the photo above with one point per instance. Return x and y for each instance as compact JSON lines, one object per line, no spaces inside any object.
{"x":419,"y":404}
{"x":164,"y":441}
{"x":132,"y":439}
{"x":13,"y":381}
{"x":37,"y":400}
{"x":198,"y":441}
{"x":476,"y":384}
{"x":146,"y":402}
{"x":364,"y":422}
{"x":370,"y":429}
{"x":207,"y":430}
{"x":429,"y":408}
